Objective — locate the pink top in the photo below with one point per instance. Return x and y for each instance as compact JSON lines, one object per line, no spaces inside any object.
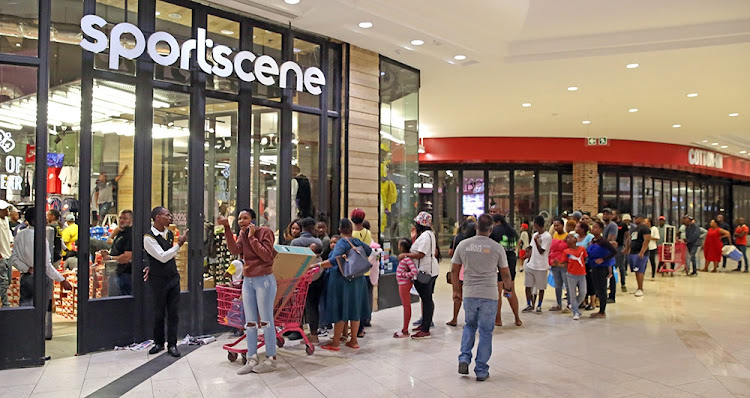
{"x":406,"y":271}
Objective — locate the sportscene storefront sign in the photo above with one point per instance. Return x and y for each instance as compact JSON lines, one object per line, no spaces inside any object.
{"x":264,"y":68}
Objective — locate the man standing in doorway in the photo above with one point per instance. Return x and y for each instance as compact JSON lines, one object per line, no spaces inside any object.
{"x":104,"y":192}
{"x":164,"y":279}
{"x":693,"y":241}
{"x":6,"y":239}
{"x":610,"y":234}
{"x":740,"y":240}
{"x":482,"y":259}
{"x":724,"y":241}
{"x":122,"y":252}
{"x":636,"y":248}
{"x":538,"y":264}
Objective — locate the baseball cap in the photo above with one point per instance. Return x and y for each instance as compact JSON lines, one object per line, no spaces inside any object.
{"x":70,"y":217}
{"x":626,"y":216}
{"x":577,"y":214}
{"x":4,"y":205}
{"x":688,"y":216}
{"x":607,"y":210}
{"x":662,"y":218}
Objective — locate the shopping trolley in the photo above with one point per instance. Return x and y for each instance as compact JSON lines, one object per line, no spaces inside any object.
{"x":288,"y":312}
{"x":676,"y":254}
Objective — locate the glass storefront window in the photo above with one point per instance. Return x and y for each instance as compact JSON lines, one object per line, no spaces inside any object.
{"x":609,"y":191}
{"x":178,"y":22}
{"x":227,"y":33}
{"x":169,"y":168}
{"x":399,"y":167}
{"x":637,"y":195}
{"x":472,"y":198}
{"x":741,"y":196}
{"x":266,"y":124}
{"x":683,"y":197}
{"x":306,"y":54}
{"x":447,"y":206}
{"x":499,"y":190}
{"x":266,"y":42}
{"x":305,"y":162}
{"x":524,"y":201}
{"x":548,"y":195}
{"x":20,"y":27}
{"x":658,"y":209}
{"x":624,"y":202}
{"x":648,"y":199}
{"x":567,"y":193}
{"x":114,"y":12}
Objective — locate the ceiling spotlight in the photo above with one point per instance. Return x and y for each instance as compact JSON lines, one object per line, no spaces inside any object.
{"x":734,"y":114}
{"x":633,"y":110}
{"x":586,"y":122}
{"x":297,"y":50}
{"x":459,"y":57}
{"x":365,"y":25}
{"x":526,"y":104}
{"x":175,"y":16}
{"x":692,"y":95}
{"x":417,"y":42}
{"x":632,"y":66}
{"x":227,"y":32}
{"x":743,"y":152}
{"x":704,"y":141}
{"x":724,"y":147}
{"x":291,"y":1}
{"x":158,"y":13}
{"x":572,"y":88}
{"x":714,"y":143}
{"x":676,"y":126}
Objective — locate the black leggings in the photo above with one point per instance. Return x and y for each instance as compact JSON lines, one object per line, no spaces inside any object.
{"x":654,"y":265}
{"x":425,"y":291}
{"x":312,"y":303}
{"x":599,"y":276}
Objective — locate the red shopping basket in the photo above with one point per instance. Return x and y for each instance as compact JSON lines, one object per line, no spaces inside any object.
{"x":675,"y":254}
{"x":288,"y":312}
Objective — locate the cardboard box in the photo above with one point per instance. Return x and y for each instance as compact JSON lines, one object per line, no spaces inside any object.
{"x":290,"y":263}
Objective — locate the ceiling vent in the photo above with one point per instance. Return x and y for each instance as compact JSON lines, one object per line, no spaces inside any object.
{"x":266,"y":9}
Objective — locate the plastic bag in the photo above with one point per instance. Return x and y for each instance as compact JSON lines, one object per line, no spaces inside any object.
{"x":236,"y":315}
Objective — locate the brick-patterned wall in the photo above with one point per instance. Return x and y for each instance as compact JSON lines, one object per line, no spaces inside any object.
{"x":364,"y":137}
{"x":586,"y":186}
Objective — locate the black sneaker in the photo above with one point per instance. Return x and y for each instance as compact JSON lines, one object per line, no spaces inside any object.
{"x":610,"y":301}
{"x":482,"y":377}
{"x":528,"y":309}
{"x":624,"y":289}
{"x":589,"y":307}
{"x":463,"y":368}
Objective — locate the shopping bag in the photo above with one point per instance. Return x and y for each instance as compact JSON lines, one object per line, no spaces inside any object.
{"x":236,"y":314}
{"x":616,"y":275}
{"x":354,"y":263}
{"x":551,"y":279}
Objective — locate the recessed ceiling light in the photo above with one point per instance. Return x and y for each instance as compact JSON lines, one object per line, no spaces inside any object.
{"x":365,"y":25}
{"x":724,"y":147}
{"x":743,"y":152}
{"x":18,"y":44}
{"x":291,"y":1}
{"x":676,"y":126}
{"x":704,"y":141}
{"x":714,"y":143}
{"x":382,"y":73}
{"x":734,"y":114}
{"x":158,"y":13}
{"x":633,"y":110}
{"x":227,"y":32}
{"x":572,"y":88}
{"x":297,"y":50}
{"x":526,"y":104}
{"x":417,"y":42}
{"x":632,"y":66}
{"x":692,"y":95}
{"x":459,"y":57}
{"x":175,"y":15}
{"x":586,"y":122}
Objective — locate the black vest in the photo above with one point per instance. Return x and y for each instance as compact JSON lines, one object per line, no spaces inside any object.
{"x":156,"y":267}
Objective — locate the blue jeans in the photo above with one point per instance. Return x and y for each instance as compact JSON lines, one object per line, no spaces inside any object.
{"x":125,"y":283}
{"x":258,"y":294}
{"x":480,"y":314}
{"x":691,"y":257}
{"x":743,"y":250}
{"x":560,"y":274}
{"x":576,"y":298}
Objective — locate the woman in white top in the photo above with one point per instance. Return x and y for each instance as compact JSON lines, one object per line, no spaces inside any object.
{"x":652,"y":247}
{"x":425,"y":255}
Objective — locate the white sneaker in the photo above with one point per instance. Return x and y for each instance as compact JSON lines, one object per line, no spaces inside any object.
{"x":252,"y":362}
{"x":268,"y":365}
{"x":576,"y":317}
{"x":639,"y":293}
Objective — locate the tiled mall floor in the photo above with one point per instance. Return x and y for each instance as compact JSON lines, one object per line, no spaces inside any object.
{"x":686,"y":337}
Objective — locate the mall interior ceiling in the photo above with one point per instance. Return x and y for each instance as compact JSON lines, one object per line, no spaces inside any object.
{"x":667,"y":71}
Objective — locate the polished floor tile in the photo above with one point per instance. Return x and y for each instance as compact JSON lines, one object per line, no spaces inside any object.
{"x":686,"y":337}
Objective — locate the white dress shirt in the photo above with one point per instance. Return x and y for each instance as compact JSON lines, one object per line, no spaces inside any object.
{"x":152,"y":246}
{"x":22,"y":256}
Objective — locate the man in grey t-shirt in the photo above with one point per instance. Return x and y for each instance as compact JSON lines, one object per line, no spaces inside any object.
{"x":482,"y":258}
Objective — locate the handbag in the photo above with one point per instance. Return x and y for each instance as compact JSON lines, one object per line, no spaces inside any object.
{"x":354,"y":263}
{"x":423,"y":277}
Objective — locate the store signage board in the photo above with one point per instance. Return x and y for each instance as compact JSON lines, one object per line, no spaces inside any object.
{"x":698,"y":157}
{"x":12,"y":180}
{"x":264,"y":68}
